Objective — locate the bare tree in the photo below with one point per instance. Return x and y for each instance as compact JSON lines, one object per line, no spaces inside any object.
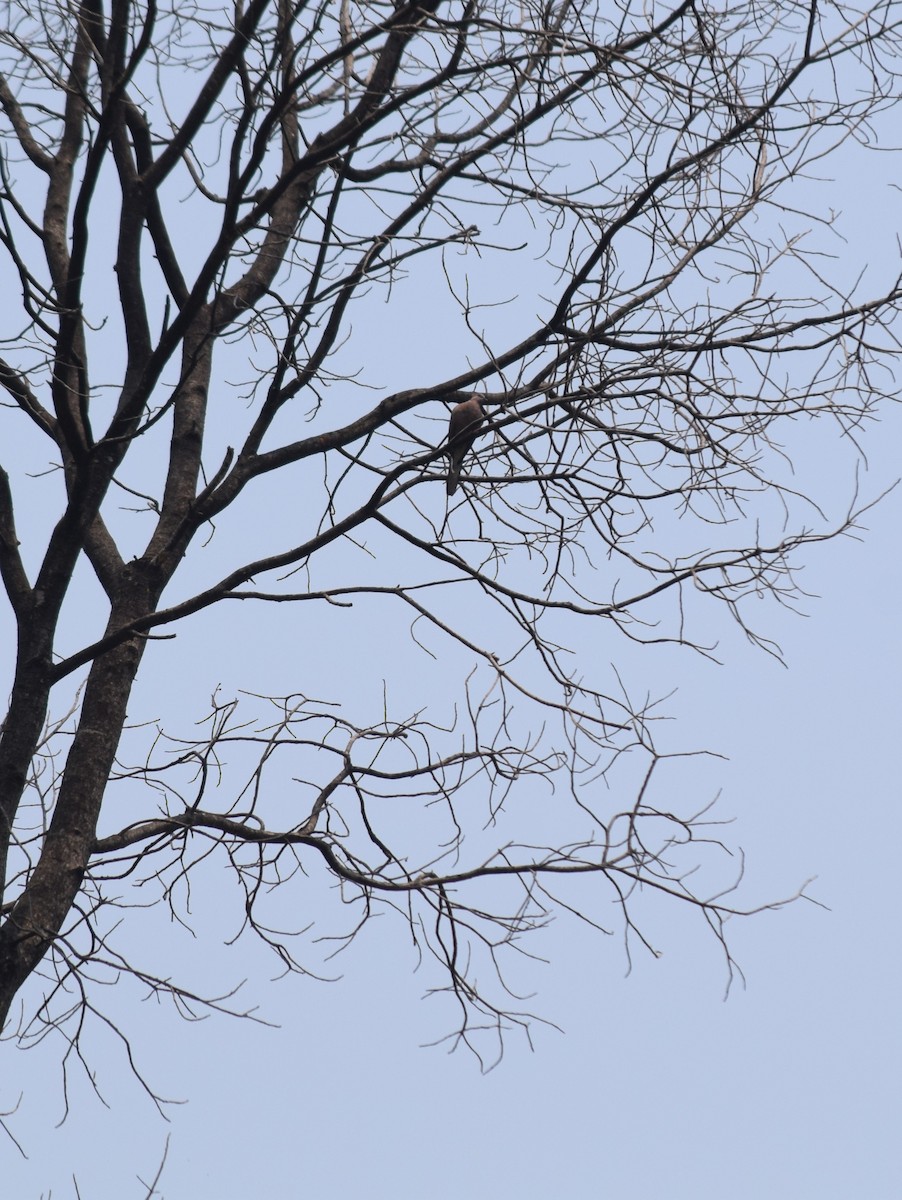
{"x":605,"y":219}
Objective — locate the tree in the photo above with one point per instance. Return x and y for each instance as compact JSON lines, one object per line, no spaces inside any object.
{"x":600,"y":220}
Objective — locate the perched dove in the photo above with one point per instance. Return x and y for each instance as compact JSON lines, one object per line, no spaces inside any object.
{"x":466,"y":419}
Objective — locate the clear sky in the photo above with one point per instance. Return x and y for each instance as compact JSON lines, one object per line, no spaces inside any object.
{"x":655,"y":1083}
{"x":656,"y":1086}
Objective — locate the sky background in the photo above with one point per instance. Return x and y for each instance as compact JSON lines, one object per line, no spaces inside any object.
{"x":655,"y":1084}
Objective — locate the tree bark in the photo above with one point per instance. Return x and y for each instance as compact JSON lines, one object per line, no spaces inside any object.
{"x":39,"y":913}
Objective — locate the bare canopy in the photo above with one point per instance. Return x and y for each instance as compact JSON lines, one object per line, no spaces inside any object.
{"x":250,"y":257}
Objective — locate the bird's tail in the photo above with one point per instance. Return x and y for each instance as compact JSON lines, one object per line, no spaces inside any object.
{"x":453,"y":474}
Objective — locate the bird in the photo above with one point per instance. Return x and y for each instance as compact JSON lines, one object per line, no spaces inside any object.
{"x":463,"y":429}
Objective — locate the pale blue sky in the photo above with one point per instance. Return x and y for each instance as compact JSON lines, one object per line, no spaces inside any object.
{"x":657,"y":1086}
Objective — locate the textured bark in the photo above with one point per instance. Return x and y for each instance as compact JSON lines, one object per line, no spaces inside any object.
{"x":41,"y":910}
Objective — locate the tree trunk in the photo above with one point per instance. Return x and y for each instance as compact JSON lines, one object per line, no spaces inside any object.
{"x":38,"y":914}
